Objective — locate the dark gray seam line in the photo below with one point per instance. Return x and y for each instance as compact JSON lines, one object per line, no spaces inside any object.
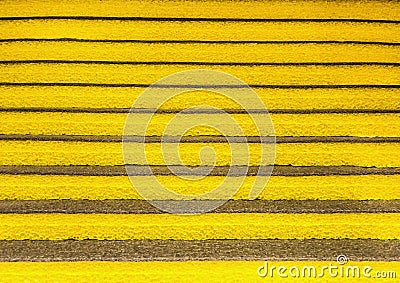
{"x":78,"y":84}
{"x":201,"y":139}
{"x":200,"y":250}
{"x":143,"y":170}
{"x":199,"y":111}
{"x":199,"y":19}
{"x":162,"y":41}
{"x":125,"y":206}
{"x":194,"y":63}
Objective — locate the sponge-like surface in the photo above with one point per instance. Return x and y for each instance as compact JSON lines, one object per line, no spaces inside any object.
{"x":328,"y":73}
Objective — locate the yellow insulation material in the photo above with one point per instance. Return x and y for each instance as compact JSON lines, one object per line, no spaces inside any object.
{"x":188,"y":271}
{"x":199,"y":52}
{"x":148,"y":74}
{"x":208,"y":9}
{"x":198,"y":227}
{"x":296,"y":154}
{"x":333,"y":65}
{"x":45,"y":123}
{"x":200,"y":30}
{"x":124,"y":97}
{"x":40,"y":187}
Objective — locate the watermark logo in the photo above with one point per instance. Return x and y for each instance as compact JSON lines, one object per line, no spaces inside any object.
{"x":339,"y":270}
{"x":149,"y":118}
{"x":341,"y":259}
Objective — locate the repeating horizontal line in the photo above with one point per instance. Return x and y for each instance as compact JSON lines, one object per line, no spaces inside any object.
{"x":166,"y":271}
{"x":102,"y":62}
{"x":107,"y":100}
{"x":205,"y":226}
{"x":65,"y":187}
{"x":199,"y":19}
{"x":199,"y":139}
{"x":200,"y":41}
{"x":231,"y":206}
{"x":120,"y":170}
{"x":197,"y":111}
{"x":219,"y":54}
{"x":348,"y":86}
{"x":253,"y":75}
{"x":210,"y":31}
{"x":285,"y":125}
{"x":38,"y":153}
{"x":210,"y":250}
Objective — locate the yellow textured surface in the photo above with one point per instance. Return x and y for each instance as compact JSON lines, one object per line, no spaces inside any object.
{"x":203,"y":226}
{"x":189,"y":271}
{"x":39,"y":187}
{"x":97,"y":97}
{"x":367,"y":39}
{"x":245,"y":31}
{"x":297,"y":154}
{"x":198,"y":52}
{"x":361,"y":125}
{"x":175,"y":30}
{"x":148,"y":74}
{"x":208,"y":9}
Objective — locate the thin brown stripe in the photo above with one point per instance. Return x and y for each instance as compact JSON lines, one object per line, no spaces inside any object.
{"x":163,"y":41}
{"x":189,"y":112}
{"x":58,"y":84}
{"x":199,"y":139}
{"x":119,"y":170}
{"x":197,"y":63}
{"x":232,"y":206}
{"x":159,"y":250}
{"x":198,"y":19}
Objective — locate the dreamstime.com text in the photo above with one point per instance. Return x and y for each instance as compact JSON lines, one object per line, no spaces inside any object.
{"x":339,"y":270}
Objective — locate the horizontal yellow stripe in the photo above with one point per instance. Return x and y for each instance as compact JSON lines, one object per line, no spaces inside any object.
{"x":370,"y":125}
{"x":199,"y":227}
{"x":296,"y":154}
{"x":96,"y":97}
{"x":188,"y":271}
{"x":217,"y":31}
{"x":148,"y":74}
{"x":209,"y":9}
{"x":39,"y":187}
{"x":170,"y":52}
